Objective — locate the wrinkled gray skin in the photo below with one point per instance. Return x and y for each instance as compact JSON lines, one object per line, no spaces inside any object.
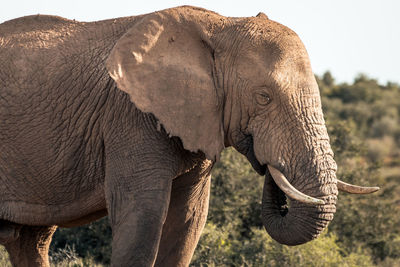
{"x":126,"y":117}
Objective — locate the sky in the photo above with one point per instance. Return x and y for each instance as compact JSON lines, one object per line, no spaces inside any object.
{"x":346,"y":37}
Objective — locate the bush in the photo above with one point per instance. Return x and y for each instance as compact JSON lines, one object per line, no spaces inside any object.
{"x":68,"y":257}
{"x":217,"y":249}
{"x":90,"y":241}
{"x":4,"y":260}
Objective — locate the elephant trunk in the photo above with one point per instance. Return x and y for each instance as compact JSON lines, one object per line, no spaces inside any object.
{"x":297,"y":222}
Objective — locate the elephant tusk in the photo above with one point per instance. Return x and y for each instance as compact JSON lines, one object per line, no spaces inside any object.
{"x":355,"y":189}
{"x":289,"y":190}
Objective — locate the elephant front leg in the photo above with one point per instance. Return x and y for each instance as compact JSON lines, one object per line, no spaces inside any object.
{"x":137,"y":202}
{"x":187,"y":215}
{"x":137,"y":226}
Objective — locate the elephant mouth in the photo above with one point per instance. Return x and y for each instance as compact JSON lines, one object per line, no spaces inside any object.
{"x":246,"y":147}
{"x":261,"y":169}
{"x":281,"y":200}
{"x":282,"y":184}
{"x":278,"y":178}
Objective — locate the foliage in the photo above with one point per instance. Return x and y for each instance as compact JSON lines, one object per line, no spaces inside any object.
{"x":68,"y":257}
{"x":363,"y":121}
{"x":364,"y":124}
{"x":4,"y":261}
{"x":90,"y":241}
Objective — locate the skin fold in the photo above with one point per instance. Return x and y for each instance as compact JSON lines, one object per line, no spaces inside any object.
{"x":126,"y":117}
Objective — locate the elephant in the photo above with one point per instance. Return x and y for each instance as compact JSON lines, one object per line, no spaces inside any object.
{"x":126,"y":118}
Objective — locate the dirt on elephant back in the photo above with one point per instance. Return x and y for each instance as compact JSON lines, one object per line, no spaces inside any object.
{"x":37,"y":31}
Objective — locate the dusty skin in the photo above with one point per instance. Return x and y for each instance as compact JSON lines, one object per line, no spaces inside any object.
{"x":126,"y":117}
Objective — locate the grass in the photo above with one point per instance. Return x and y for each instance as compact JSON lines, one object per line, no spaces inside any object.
{"x":62,"y":258}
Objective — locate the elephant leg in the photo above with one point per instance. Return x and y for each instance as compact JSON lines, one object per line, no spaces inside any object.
{"x":31,"y":247}
{"x":136,"y":224}
{"x":137,"y":195}
{"x":187,"y":215}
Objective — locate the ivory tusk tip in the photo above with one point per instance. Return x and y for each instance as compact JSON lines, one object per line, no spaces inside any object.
{"x":355,"y":189}
{"x":374,"y":189}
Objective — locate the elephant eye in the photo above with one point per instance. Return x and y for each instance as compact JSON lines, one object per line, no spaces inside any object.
{"x":263,"y":99}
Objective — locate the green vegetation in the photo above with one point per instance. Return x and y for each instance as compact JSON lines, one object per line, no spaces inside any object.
{"x":4,"y":262}
{"x":363,"y":120}
{"x":364,"y":123}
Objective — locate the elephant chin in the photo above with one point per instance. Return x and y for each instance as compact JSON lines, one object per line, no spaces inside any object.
{"x":294,"y":223}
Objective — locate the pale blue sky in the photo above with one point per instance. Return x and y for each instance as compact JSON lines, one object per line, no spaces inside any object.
{"x":346,"y":37}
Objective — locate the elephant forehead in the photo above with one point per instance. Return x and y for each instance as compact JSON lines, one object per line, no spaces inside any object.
{"x":282,"y":57}
{"x":276,"y":70}
{"x":287,"y":55}
{"x":292,"y":68}
{"x":270,"y":33}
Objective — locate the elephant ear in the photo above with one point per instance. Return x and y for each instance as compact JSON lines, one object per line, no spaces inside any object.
{"x":165,"y":64}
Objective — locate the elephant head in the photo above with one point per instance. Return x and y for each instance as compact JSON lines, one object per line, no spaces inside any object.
{"x":243,"y":82}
